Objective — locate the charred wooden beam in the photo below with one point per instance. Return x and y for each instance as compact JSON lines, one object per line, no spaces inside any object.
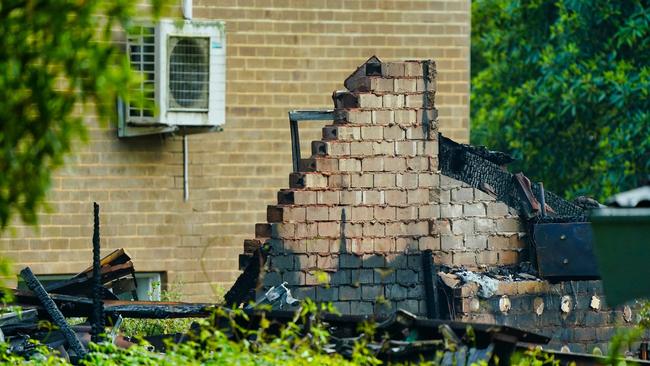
{"x":83,"y":285}
{"x":248,"y":281}
{"x":97,"y":318}
{"x":49,"y":305}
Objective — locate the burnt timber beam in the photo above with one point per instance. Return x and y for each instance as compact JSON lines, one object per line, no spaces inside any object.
{"x":50,"y":306}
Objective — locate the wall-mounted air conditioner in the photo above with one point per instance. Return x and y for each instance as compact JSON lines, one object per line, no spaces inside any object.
{"x":183,"y":68}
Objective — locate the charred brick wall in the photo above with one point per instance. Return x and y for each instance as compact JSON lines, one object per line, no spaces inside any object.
{"x":572,"y":313}
{"x":351,"y":226}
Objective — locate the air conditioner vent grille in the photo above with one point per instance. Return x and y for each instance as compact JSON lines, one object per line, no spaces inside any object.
{"x":141,"y":49}
{"x":189,"y":73}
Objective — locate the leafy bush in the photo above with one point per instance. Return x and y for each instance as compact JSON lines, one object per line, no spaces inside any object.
{"x":564,"y":86}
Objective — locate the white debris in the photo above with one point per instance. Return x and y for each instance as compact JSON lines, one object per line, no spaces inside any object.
{"x":487,"y":285}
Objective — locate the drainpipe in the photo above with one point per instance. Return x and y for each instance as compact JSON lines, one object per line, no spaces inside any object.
{"x":186,"y":186}
{"x":187,"y":9}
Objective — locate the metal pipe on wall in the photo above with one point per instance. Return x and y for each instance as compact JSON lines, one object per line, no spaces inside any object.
{"x":186,"y":186}
{"x":187,"y":9}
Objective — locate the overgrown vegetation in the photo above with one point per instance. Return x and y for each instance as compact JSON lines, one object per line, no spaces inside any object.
{"x":138,"y":328}
{"x":292,"y":346}
{"x":57,"y":57}
{"x":564,"y":86}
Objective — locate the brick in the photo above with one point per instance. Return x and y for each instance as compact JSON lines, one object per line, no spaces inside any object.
{"x":427,"y":148}
{"x":328,"y":229}
{"x":405,"y":86}
{"x":372,"y":164}
{"x":381,"y":85}
{"x":462,"y":226}
{"x":407,"y":148}
{"x":427,"y":180}
{"x":395,"y":164}
{"x":361,"y":213}
{"x":392,"y":69}
{"x":359,"y":117}
{"x":319,"y":164}
{"x":394,"y":132}
{"x":419,"y":163}
{"x":414,"y":133}
{"x":307,"y":180}
{"x":339,"y":181}
{"x":361,"y":148}
{"x":384,"y":213}
{"x":327,"y":294}
{"x":369,"y":100}
{"x":384,"y":245}
{"x":327,"y":262}
{"x":405,"y":116}
{"x":496,"y":209}
{"x":372,"y":133}
{"x":393,"y":101}
{"x":448,"y":242}
{"x":407,"y":213}
{"x":349,"y":261}
{"x":294,"y":214}
{"x":304,"y":197}
{"x":361,"y":307}
{"x":464,"y":259}
{"x":274,"y":214}
{"x":413,"y":69}
{"x":462,"y":194}
{"x":374,"y":229}
{"x":483,"y":225}
{"x":351,"y":197}
{"x":509,"y":225}
{"x":474,"y":209}
{"x":429,"y":211}
{"x":418,"y":196}
{"x":383,"y":117}
{"x":451,"y":211}
{"x":429,"y":242}
{"x":383,"y":148}
{"x":346,"y":133}
{"x":328,"y":197}
{"x":384,"y":180}
{"x":362,"y":180}
{"x":395,"y":198}
{"x":407,"y":181}
{"x":262,"y":230}
{"x":372,"y":292}
{"x":318,"y":213}
{"x":349,"y":165}
{"x":353,"y":230}
{"x":330,"y":148}
{"x":318,"y":245}
{"x":373,"y":261}
{"x":396,"y":292}
{"x":417,"y":228}
{"x":308,"y":230}
{"x":414,"y":101}
{"x":476,"y":242}
{"x":373,"y":197}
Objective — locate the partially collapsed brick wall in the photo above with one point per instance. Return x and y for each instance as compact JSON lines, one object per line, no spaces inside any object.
{"x":574,"y":314}
{"x":370,"y":198}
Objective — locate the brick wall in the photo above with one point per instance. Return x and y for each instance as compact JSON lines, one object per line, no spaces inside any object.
{"x":356,"y":216}
{"x":572,"y":313}
{"x":287,"y":55}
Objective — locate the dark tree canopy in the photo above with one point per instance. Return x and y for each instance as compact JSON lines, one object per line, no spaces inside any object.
{"x":564,"y":86}
{"x":56,"y":56}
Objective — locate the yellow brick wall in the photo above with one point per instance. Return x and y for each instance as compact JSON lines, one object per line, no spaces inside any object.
{"x":282,"y":54}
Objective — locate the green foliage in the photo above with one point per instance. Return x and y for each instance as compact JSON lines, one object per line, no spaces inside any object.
{"x":138,"y":328}
{"x":57,"y":63}
{"x":564,"y":86}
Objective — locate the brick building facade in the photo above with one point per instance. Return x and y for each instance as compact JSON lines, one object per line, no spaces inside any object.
{"x":288,"y":55}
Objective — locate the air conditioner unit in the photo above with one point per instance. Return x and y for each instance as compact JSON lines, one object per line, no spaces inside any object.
{"x":183,"y":68}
